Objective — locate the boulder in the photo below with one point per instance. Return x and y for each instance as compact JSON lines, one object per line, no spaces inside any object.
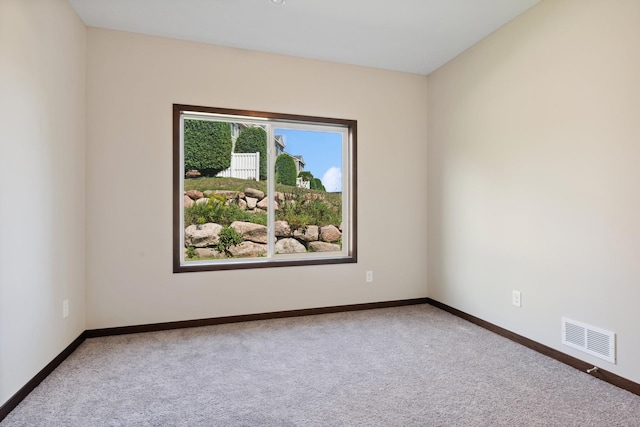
{"x":323,"y":247}
{"x":251,"y":202}
{"x":202,"y":235}
{"x":264,"y":203}
{"x":192,"y":174}
{"x":207,"y":193}
{"x":249,"y":231}
{"x":252,"y":192}
{"x":188,"y":201}
{"x":289,"y":246}
{"x":308,"y":233}
{"x":282,"y":229}
{"x":248,"y":250}
{"x":330,"y":234}
{"x":195,"y":194}
{"x":279,"y":196}
{"x":208,"y":253}
{"x":242,"y":204}
{"x":202,"y":201}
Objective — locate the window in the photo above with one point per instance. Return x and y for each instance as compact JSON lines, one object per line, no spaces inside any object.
{"x":256,"y":189}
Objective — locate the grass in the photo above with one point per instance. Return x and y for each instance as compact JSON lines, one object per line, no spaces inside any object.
{"x":320,"y":211}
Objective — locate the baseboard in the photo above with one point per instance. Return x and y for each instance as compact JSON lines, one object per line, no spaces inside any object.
{"x":154,"y":327}
{"x":15,"y":400}
{"x":606,"y":376}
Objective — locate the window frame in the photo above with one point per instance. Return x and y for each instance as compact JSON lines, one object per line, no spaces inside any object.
{"x":275,"y":120}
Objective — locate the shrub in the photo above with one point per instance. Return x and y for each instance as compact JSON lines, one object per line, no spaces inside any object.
{"x":207,"y":146}
{"x":254,"y":140}
{"x":219,"y":212}
{"x":316,"y":184}
{"x":285,"y":170}
{"x":227,"y":238}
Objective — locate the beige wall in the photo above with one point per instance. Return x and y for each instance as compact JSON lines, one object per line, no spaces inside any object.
{"x":533,"y":175}
{"x":133,"y":81}
{"x":42,"y":212}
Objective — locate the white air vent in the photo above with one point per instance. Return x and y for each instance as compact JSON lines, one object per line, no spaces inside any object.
{"x":595,"y":341}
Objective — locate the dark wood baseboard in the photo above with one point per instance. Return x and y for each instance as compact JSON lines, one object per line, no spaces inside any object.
{"x":154,"y":327}
{"x":15,"y":400}
{"x":606,"y":376}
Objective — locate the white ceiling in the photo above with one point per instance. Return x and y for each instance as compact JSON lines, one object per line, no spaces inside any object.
{"x":416,"y":36}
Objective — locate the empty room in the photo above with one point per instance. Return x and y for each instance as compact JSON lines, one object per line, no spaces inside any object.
{"x":439,"y":226}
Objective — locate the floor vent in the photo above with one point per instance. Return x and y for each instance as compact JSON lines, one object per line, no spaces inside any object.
{"x":595,"y":341}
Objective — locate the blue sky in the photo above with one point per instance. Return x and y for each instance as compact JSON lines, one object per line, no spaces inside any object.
{"x":322,"y":153}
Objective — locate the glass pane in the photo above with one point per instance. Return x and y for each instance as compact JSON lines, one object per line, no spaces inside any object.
{"x":308,"y":176}
{"x":225,"y":186}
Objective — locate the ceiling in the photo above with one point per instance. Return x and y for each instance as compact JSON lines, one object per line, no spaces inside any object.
{"x":415,"y":36}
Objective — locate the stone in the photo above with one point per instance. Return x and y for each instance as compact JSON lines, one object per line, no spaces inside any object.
{"x":308,"y":233}
{"x":248,"y":250}
{"x":249,"y":231}
{"x":192,"y":174}
{"x":195,"y":194}
{"x":323,"y":247}
{"x":188,"y":201}
{"x":251,"y":202}
{"x":330,"y":233}
{"x":252,"y":192}
{"x":279,"y":196}
{"x":282,"y":229}
{"x":207,"y":193}
{"x":202,"y":235}
{"x":289,"y":246}
{"x":202,"y":201}
{"x":264,"y":203}
{"x":242,"y":204}
{"x":208,"y":253}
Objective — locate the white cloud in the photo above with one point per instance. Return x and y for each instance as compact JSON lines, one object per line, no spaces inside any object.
{"x":332,"y":179}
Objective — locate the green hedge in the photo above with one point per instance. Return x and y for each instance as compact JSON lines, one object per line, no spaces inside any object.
{"x":285,"y":170}
{"x":207,"y":146}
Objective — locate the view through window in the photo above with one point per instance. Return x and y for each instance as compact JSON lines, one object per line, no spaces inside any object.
{"x":257,"y":189}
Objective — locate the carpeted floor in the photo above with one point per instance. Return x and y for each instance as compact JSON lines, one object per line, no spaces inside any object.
{"x":407,"y":366}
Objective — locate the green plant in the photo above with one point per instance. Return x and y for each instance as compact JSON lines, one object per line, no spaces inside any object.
{"x":316,"y":184}
{"x":207,"y":146}
{"x":285,"y":170}
{"x":191,"y":252}
{"x":227,"y":238}
{"x":254,"y":140}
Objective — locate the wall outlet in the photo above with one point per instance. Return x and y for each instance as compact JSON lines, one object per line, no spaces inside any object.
{"x":65,"y":308}
{"x":369,"y":276}
{"x":516,"y":299}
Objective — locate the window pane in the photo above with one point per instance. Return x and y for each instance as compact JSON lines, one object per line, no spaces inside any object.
{"x":309,"y":173}
{"x":258,"y":189}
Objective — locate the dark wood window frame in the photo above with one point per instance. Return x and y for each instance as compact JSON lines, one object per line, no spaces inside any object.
{"x":178,"y":193}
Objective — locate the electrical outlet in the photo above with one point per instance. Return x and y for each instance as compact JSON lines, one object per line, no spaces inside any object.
{"x":65,"y":308}
{"x":516,"y":299}
{"x":369,"y":276}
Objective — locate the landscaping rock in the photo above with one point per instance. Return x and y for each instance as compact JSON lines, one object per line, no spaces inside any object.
{"x":289,"y":246}
{"x":248,"y":250}
{"x":252,"y":192}
{"x":188,"y":201}
{"x":202,"y":201}
{"x":282,"y":229}
{"x":208,"y":253}
{"x":308,"y":233}
{"x":249,"y":231}
{"x":228,"y":194}
{"x":251,"y":202}
{"x":192,"y":174}
{"x":323,"y":247}
{"x":195,"y":194}
{"x":201,"y":236}
{"x":330,"y":233}
{"x":264,"y":203}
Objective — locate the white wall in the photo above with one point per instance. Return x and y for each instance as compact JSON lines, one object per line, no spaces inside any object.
{"x":42,"y":212}
{"x":533,"y":175}
{"x":133,"y":81}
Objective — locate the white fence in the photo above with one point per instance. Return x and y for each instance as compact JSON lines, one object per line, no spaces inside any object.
{"x":301,"y":183}
{"x":244,"y":166}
